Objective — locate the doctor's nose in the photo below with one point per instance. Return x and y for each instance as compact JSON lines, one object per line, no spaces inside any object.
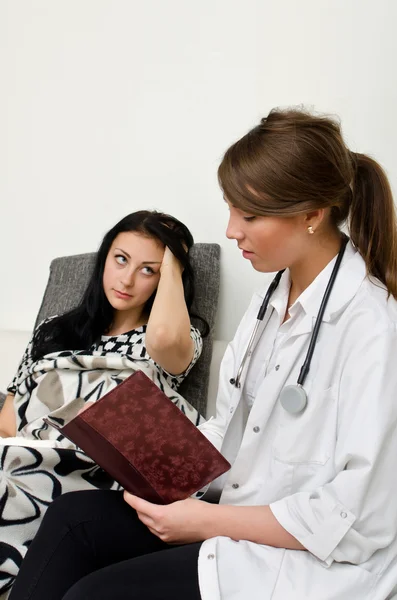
{"x":233,"y":231}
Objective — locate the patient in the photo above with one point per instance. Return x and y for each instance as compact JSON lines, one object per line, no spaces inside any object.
{"x":135,"y":314}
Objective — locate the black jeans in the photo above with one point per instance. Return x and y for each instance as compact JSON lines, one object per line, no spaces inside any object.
{"x":91,"y":545}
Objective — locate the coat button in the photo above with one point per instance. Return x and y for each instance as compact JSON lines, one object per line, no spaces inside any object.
{"x":231,"y":409}
{"x":232,"y":381}
{"x":211,"y":556}
{"x":256,"y":429}
{"x":235,"y":486}
{"x":343,"y":515}
{"x":277,"y":367}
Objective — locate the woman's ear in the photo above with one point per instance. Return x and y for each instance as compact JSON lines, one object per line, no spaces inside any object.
{"x":314,"y":218}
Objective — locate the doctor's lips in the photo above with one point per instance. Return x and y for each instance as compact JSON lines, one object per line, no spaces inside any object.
{"x":122,"y":295}
{"x":246,"y":253}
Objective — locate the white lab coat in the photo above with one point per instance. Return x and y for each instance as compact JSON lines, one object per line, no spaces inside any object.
{"x":329,"y":474}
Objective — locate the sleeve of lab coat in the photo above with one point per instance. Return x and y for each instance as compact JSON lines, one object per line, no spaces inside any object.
{"x":354,"y":515}
{"x":215,"y":428}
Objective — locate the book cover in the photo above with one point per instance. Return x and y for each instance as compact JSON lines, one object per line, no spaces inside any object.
{"x":145,"y":442}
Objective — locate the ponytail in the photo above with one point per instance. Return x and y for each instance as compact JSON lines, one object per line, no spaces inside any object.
{"x":294,"y":162}
{"x":372,"y":221}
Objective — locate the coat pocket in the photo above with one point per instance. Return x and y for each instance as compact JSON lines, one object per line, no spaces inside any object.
{"x":309,"y":437}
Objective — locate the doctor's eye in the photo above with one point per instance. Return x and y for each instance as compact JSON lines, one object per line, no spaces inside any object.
{"x":248,"y":219}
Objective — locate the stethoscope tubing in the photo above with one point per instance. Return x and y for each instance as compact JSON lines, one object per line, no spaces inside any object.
{"x":264,"y":306}
{"x":262,"y":310}
{"x":306,"y":364}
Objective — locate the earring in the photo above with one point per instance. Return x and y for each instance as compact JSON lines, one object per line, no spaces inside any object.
{"x":310,"y":230}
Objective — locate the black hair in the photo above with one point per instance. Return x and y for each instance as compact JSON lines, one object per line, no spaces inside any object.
{"x":82,"y":326}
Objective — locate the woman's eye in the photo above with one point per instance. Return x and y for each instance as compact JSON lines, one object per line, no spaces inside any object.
{"x":121,"y":259}
{"x":147,"y":270}
{"x":249,"y":218}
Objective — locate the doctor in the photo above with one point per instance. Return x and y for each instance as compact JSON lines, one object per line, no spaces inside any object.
{"x":308,"y":510}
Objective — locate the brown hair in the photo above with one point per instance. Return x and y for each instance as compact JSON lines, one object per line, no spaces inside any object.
{"x":294,"y":162}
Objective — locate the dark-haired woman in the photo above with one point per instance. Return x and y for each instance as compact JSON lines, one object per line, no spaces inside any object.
{"x":308,"y":417}
{"x":134,"y":315}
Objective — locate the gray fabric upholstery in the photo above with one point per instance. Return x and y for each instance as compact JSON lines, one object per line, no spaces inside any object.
{"x":68,"y":279}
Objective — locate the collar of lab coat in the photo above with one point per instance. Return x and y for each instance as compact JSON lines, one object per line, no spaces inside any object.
{"x":351,"y":274}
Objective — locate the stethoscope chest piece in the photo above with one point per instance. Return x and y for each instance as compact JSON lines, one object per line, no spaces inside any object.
{"x":293,"y":399}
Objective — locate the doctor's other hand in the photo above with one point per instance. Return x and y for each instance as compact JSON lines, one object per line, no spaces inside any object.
{"x":182,"y":522}
{"x":86,"y":405}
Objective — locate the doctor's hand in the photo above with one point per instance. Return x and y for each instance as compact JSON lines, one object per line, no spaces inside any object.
{"x":86,"y":405}
{"x":182,"y":522}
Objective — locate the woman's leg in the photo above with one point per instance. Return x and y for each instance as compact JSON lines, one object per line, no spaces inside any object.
{"x":81,"y":533}
{"x":168,"y":574}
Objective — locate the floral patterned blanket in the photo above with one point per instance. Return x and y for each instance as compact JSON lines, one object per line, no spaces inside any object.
{"x":39,"y":464}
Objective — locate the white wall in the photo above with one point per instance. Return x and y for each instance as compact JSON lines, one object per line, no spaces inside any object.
{"x":109,"y":106}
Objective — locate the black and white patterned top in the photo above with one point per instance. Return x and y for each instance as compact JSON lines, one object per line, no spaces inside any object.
{"x":131,"y":344}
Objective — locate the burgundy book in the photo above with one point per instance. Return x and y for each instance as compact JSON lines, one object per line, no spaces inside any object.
{"x":145,"y":442}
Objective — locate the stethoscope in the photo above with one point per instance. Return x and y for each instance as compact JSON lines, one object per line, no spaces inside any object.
{"x":293,"y":398}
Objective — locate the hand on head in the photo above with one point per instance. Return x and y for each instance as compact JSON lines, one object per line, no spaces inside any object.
{"x":170,"y":260}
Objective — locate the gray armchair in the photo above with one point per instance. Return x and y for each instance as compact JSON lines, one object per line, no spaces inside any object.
{"x":69,"y":277}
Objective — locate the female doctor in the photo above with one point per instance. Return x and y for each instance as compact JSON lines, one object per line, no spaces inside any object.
{"x":306,"y":408}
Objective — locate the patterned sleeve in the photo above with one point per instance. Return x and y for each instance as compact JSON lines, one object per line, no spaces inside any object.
{"x":24,"y":365}
{"x":176,"y":380}
{"x":26,"y":361}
